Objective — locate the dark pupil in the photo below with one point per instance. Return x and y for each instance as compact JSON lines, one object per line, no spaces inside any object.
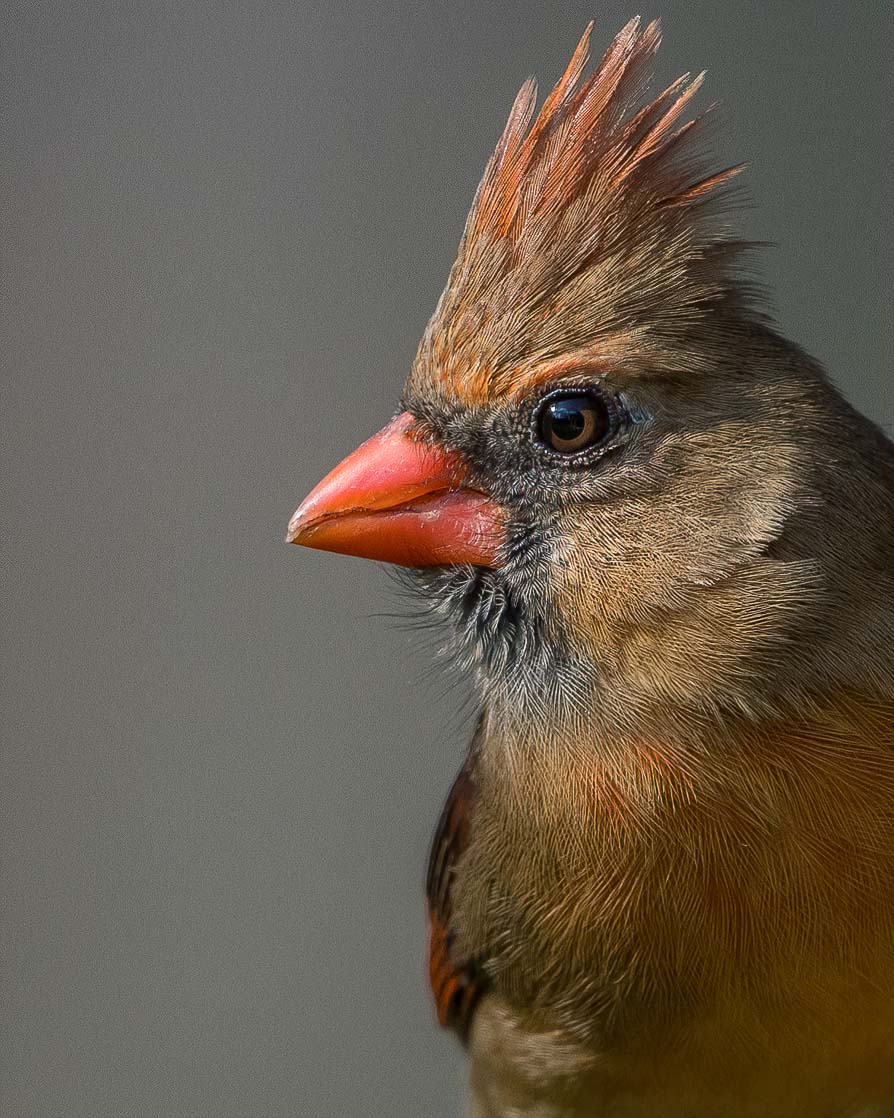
{"x":574,"y":421}
{"x":567,"y":418}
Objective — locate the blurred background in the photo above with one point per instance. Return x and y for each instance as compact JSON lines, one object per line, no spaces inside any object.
{"x":226,"y":225}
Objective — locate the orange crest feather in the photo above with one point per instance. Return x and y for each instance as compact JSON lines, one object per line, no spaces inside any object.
{"x":593,"y":232}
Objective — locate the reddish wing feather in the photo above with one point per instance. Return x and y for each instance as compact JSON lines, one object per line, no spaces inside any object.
{"x":457,"y":984}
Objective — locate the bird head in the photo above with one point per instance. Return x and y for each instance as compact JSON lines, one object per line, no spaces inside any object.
{"x":602,"y":446}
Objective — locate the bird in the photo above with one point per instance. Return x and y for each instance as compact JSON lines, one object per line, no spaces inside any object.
{"x":660,"y":543}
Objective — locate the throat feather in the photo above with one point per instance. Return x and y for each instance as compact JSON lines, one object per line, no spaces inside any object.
{"x":502,"y":631}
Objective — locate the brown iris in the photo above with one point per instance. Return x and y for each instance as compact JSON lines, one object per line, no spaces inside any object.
{"x":569,"y":422}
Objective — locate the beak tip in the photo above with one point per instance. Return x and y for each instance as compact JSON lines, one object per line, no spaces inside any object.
{"x":295,"y":528}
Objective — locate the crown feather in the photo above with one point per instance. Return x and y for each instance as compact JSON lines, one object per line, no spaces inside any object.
{"x":594,"y":221}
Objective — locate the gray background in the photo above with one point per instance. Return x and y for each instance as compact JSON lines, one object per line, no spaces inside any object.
{"x":226,"y":228}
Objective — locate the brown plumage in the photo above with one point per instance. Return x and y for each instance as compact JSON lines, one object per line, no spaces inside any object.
{"x":573,"y":214}
{"x":663,"y":884}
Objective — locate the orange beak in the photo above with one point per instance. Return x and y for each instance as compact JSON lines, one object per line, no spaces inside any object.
{"x":400,"y":501}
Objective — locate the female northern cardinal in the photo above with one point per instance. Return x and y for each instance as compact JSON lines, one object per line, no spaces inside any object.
{"x":663,"y":883}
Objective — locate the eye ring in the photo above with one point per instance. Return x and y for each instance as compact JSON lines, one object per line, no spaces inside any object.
{"x":568,"y":422}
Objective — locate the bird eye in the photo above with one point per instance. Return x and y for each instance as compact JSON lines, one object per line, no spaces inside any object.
{"x":568,"y":422}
